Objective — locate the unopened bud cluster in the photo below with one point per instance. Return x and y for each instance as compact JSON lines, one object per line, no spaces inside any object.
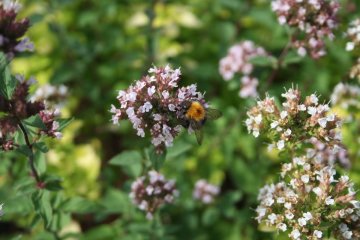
{"x":12,"y":31}
{"x":152,"y":191}
{"x":205,"y":192}
{"x":19,"y":108}
{"x":308,"y":199}
{"x":295,"y":121}
{"x":313,"y":22}
{"x":238,"y":61}
{"x":154,"y":103}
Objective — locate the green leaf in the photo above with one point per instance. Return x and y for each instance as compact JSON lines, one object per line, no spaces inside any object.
{"x":80,"y":205}
{"x":41,"y":146}
{"x":130,"y":161}
{"x":264,"y":61}
{"x":24,"y":149}
{"x":7,"y":82}
{"x":157,"y":160}
{"x":291,"y":58}
{"x":53,"y":183}
{"x":64,"y":122}
{"x":178,"y":149}
{"x":35,"y":121}
{"x":41,"y":201}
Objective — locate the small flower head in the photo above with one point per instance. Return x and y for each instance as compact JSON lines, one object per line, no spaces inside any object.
{"x":307,"y":198}
{"x":238,"y":61}
{"x":313,"y":21}
{"x":205,"y":192}
{"x":155,"y":104}
{"x":152,"y":191}
{"x":313,"y":120}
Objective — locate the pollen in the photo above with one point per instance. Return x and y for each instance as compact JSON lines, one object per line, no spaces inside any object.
{"x":196,"y":112}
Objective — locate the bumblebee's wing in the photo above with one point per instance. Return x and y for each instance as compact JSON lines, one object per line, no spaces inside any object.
{"x":213,"y":114}
{"x":199,"y":135}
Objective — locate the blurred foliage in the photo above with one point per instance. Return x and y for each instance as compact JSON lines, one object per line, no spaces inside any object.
{"x":99,"y":47}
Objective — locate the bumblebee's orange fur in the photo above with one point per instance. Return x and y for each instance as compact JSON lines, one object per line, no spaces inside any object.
{"x":196,"y":112}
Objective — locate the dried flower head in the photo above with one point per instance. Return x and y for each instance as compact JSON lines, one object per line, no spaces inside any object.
{"x":353,"y":34}
{"x":12,"y":30}
{"x":308,"y":200}
{"x":313,"y":21}
{"x":205,"y":192}
{"x":295,"y":122}
{"x":238,"y":61}
{"x":152,"y":191}
{"x":155,"y":103}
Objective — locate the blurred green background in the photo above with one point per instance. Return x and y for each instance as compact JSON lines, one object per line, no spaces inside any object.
{"x":96,"y":48}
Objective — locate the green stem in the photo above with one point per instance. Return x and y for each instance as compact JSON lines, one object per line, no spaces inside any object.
{"x":150,"y":12}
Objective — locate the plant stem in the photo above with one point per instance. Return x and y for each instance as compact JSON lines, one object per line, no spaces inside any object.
{"x":279,"y":63}
{"x":31,"y":155}
{"x":150,"y":12}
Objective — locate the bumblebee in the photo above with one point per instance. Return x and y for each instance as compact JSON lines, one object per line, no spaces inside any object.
{"x":193,"y":115}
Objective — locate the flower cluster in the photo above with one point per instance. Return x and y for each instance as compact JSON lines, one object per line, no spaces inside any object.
{"x":314,"y":20}
{"x":238,"y":61}
{"x":295,"y":122}
{"x":12,"y":30}
{"x":205,"y":192}
{"x":155,"y":103}
{"x":1,"y":209}
{"x":308,"y":200}
{"x":353,"y":33}
{"x":152,"y":191}
{"x":327,"y":156}
{"x":53,"y":96}
{"x":346,"y":95}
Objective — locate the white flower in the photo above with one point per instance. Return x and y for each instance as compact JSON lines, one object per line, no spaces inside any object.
{"x":314,"y":99}
{"x":151,"y":90}
{"x":347,"y":234}
{"x":289,"y":215}
{"x":318,"y":234}
{"x":307,"y":216}
{"x":282,"y":227}
{"x":283,"y":114}
{"x":302,"y":107}
{"x":302,"y":221}
{"x":312,"y":111}
{"x":272,"y":218}
{"x":317,"y":191}
{"x":322,"y":122}
{"x":288,"y":205}
{"x":280,"y":144}
{"x":350,"y":46}
{"x":295,"y":234}
{"x":305,"y":178}
{"x":287,"y":132}
{"x":329,"y":201}
{"x":258,"y":119}
{"x":165,"y":94}
{"x":274,"y":124}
